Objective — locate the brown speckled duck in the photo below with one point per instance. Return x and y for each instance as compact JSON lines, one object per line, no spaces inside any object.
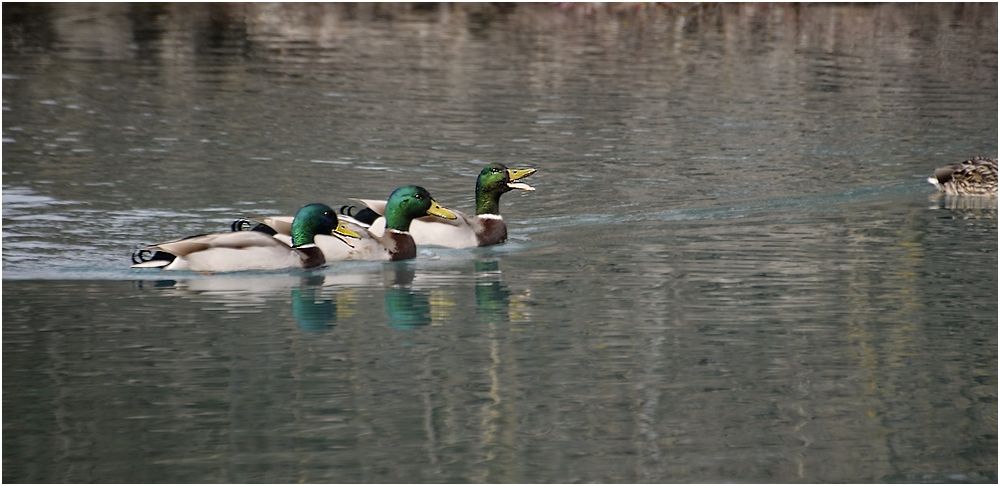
{"x":974,"y":177}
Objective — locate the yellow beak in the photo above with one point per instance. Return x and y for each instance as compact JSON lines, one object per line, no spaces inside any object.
{"x":440,"y":211}
{"x":343,"y":230}
{"x":517,"y":174}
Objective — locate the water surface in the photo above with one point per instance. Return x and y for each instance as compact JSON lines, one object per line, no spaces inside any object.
{"x":732,"y":269}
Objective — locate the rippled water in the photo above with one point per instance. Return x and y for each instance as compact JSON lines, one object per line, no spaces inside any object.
{"x":732,"y":269}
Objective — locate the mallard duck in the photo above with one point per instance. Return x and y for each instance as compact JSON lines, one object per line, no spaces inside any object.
{"x":227,"y":252}
{"x":974,"y":177}
{"x":404,"y":204}
{"x":486,"y":228}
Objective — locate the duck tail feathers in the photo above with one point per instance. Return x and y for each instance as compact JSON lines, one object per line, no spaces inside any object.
{"x":243,"y":224}
{"x":151,"y":258}
{"x":363,"y":215}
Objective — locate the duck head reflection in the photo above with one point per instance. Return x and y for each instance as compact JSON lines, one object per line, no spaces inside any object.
{"x":405,"y":307}
{"x":495,"y":302}
{"x":313,"y":312}
{"x":492,"y":295}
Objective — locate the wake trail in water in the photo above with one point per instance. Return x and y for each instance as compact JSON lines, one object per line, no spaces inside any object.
{"x":736,"y":209}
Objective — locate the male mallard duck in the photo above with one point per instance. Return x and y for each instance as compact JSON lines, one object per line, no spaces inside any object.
{"x":485,"y":228}
{"x":974,"y":177}
{"x":404,"y":204}
{"x":227,"y":252}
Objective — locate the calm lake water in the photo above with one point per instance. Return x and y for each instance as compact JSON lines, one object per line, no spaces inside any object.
{"x":732,"y":268}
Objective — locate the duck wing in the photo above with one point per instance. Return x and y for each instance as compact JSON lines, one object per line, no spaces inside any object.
{"x":235,"y":240}
{"x":377,"y":205}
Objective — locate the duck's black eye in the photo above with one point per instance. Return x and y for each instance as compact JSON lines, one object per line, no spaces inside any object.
{"x":496,"y":170}
{"x":418,"y":196}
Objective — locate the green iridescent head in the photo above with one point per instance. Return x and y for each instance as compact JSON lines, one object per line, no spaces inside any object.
{"x":494,"y":180}
{"x":317,"y":219}
{"x":409,"y":202}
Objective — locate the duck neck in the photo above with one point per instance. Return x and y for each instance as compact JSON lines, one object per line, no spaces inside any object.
{"x":487,"y":202}
{"x":395,"y":220}
{"x":301,"y":237}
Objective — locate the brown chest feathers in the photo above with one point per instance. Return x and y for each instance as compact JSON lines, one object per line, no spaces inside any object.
{"x":399,"y":244}
{"x":493,"y":231}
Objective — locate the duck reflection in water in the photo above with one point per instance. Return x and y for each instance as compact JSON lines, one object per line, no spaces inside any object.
{"x":495,"y":303}
{"x":405,"y":307}
{"x":492,"y":295}
{"x":313,"y":312}
{"x":319,"y":301}
{"x":315,"y":308}
{"x":409,"y":308}
{"x":966,"y":207}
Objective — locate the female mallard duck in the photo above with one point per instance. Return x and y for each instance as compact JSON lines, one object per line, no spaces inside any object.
{"x":485,"y":228}
{"x":974,"y":177}
{"x":396,"y":243}
{"x":227,"y":252}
